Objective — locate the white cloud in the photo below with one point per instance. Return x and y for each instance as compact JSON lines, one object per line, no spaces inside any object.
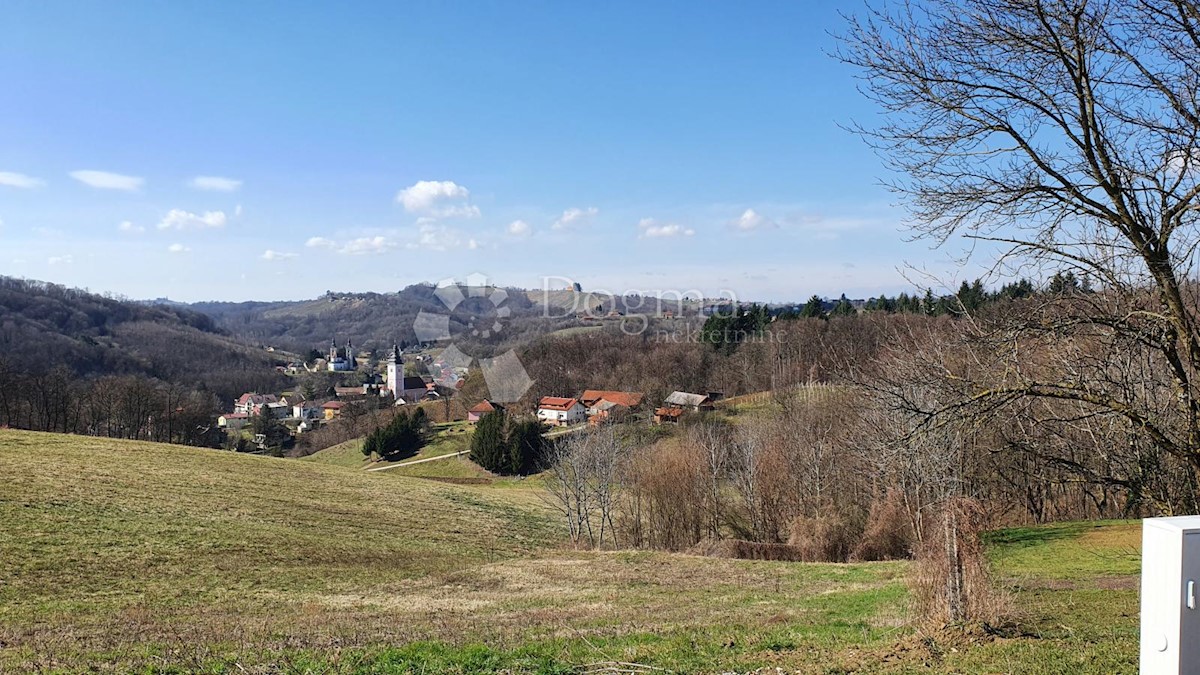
{"x":20,"y":180}
{"x":237,"y":211}
{"x":574,"y":216}
{"x":752,"y":220}
{"x":215,"y":184}
{"x":320,"y":242}
{"x":438,"y":198}
{"x":519,"y":228}
{"x":177,"y":248}
{"x":61,"y":259}
{"x":651,"y":229}
{"x":127,"y":226}
{"x":178,"y":219}
{"x":278,"y":255}
{"x":108,"y":181}
{"x":438,"y":238}
{"x":367,"y":245}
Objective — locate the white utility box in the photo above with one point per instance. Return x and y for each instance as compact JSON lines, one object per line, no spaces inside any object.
{"x":1170,"y":636}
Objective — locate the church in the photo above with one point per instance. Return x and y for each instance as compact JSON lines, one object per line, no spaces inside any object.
{"x":339,"y":361}
{"x":406,"y":389}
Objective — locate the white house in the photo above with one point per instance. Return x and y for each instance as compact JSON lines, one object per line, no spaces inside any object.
{"x":307,"y":410}
{"x":560,"y":412}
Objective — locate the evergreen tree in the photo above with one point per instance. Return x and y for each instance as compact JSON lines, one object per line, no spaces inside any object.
{"x":814,"y":308}
{"x":526,"y":447}
{"x":488,"y":442}
{"x":843,"y":307}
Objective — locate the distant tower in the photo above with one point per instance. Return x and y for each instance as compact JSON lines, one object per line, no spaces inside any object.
{"x":351,"y":364}
{"x":395,"y":373}
{"x":332,"y":350}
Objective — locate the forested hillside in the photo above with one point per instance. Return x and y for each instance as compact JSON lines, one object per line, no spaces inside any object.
{"x":59,"y":346}
{"x":377,"y":320}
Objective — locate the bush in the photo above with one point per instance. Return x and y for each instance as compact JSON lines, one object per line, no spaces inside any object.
{"x":889,"y":533}
{"x":829,"y":537}
{"x":402,"y":437}
{"x":951,"y":582}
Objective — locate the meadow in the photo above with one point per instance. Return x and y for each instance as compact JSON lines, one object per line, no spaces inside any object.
{"x":121,"y":556}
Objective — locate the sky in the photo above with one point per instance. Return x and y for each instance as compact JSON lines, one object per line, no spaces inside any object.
{"x":272,"y":151}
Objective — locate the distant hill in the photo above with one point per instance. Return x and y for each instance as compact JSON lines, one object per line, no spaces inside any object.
{"x":43,"y":326}
{"x":376,"y":320}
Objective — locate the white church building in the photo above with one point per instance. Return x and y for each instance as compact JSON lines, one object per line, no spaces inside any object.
{"x":406,"y":389}
{"x":338,"y":363}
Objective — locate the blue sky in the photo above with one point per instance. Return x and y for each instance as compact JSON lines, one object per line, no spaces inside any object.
{"x":274,"y":151}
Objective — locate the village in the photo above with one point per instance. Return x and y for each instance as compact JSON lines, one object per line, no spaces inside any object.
{"x":389,"y":386}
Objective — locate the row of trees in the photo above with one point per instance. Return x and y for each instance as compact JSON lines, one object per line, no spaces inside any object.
{"x":130,"y":406}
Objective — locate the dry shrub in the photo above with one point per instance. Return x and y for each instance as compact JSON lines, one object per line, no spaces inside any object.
{"x":742,"y":549}
{"x":889,"y":533}
{"x":951,"y":583}
{"x":829,"y":537}
{"x":664,"y":505}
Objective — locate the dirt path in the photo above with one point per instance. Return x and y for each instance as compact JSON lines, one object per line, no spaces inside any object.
{"x":418,"y":461}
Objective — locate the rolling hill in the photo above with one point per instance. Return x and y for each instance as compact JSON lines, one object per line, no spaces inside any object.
{"x":127,"y":556}
{"x":43,"y":326}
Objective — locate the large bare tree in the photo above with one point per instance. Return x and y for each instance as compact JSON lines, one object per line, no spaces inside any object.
{"x":1064,"y":132}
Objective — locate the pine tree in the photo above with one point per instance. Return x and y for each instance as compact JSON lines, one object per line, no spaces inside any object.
{"x":814,"y":308}
{"x":487,"y":444}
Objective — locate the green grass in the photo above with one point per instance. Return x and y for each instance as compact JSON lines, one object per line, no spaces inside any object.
{"x":348,"y":454}
{"x":134,"y":556}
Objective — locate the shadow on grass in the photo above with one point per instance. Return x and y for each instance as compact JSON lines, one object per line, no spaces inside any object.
{"x":1044,"y":534}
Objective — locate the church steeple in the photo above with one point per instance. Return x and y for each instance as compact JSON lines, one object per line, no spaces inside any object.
{"x":395,"y":373}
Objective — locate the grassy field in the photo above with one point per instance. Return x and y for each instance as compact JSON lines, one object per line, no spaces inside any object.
{"x":136,"y":556}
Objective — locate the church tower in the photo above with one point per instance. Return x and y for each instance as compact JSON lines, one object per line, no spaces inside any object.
{"x":332,"y":350}
{"x":350,"y":362}
{"x":395,"y":373}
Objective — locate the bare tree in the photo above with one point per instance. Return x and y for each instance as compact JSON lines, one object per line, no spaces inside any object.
{"x":1065,"y":133}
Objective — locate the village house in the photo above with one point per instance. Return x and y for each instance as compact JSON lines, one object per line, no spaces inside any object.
{"x":250,"y":403}
{"x":605,"y":406}
{"x":277,"y":409}
{"x":680,"y":402}
{"x":332,"y":409}
{"x":307,"y":410}
{"x":560,"y":412}
{"x":233,"y":421}
{"x":482,"y":408}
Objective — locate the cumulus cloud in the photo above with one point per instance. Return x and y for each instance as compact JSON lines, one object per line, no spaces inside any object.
{"x":440,"y":238}
{"x":178,"y":219}
{"x":574,"y":216}
{"x":651,"y":229}
{"x":215,"y":183}
{"x":519,"y":228}
{"x":752,"y":220}
{"x":128,"y":226}
{"x":438,"y":198}
{"x":320,"y":242}
{"x":104,"y":180}
{"x":368,"y":245}
{"x":177,"y":248}
{"x":278,"y":255}
{"x":61,"y":259}
{"x":20,"y":180}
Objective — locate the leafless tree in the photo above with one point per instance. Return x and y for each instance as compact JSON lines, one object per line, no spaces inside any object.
{"x":1063,"y":132}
